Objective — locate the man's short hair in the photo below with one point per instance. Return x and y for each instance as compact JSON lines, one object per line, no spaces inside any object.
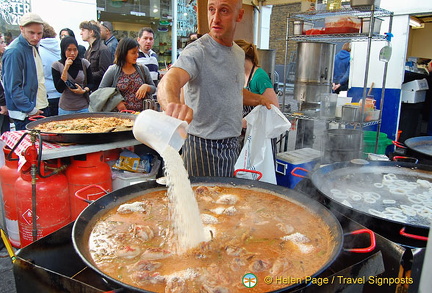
{"x":48,"y":31}
{"x":91,"y":26}
{"x":145,"y":29}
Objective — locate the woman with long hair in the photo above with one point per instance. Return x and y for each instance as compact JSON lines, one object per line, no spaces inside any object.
{"x":72,"y":77}
{"x":257,"y":80}
{"x":131,"y":79}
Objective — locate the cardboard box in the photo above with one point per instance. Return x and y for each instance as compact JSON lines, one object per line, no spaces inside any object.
{"x":306,"y":158}
{"x":124,"y":178}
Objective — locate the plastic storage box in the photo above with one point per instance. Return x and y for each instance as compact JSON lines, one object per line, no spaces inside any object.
{"x":366,"y":23}
{"x":124,"y":178}
{"x":357,"y":3}
{"x":342,"y":24}
{"x":285,"y":162}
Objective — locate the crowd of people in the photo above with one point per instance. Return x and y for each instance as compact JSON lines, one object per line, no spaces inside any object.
{"x":43,"y":74}
{"x":208,"y":78}
{"x":206,"y":88}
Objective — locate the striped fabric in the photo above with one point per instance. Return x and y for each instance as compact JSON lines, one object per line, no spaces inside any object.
{"x":205,"y":157}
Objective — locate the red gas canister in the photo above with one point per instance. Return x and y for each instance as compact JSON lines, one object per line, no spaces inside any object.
{"x":52,"y":204}
{"x":8,"y":175}
{"x":85,"y":170}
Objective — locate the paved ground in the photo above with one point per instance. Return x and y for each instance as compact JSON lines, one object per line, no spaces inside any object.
{"x":7,"y":281}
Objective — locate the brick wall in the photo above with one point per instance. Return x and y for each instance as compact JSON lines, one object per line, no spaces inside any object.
{"x":278,"y":24}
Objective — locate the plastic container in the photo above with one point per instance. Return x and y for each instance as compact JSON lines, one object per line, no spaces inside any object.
{"x":369,"y":142}
{"x":307,"y":26}
{"x":300,"y":27}
{"x":351,"y":113}
{"x":356,"y":3}
{"x":285,"y":162}
{"x":328,"y":105}
{"x":122,"y":179}
{"x":342,"y":24}
{"x":366,"y":24}
{"x":158,"y":130}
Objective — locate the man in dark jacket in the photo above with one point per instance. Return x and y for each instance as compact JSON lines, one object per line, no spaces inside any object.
{"x":97,"y":53}
{"x":4,"y":118}
{"x":23,"y":77}
{"x":108,"y":37}
{"x":341,"y":69}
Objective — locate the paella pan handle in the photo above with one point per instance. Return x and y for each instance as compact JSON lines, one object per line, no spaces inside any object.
{"x":250,"y":171}
{"x":405,"y":159}
{"x":293,"y":172}
{"x":128,"y":111}
{"x":413,"y":236}
{"x":36,"y":117}
{"x":366,"y":249}
{"x":399,"y":144}
{"x":77,"y":193}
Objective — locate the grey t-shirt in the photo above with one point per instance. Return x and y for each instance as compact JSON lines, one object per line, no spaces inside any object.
{"x":214,"y":90}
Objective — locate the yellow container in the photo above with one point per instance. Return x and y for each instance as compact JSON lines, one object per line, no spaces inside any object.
{"x":334,"y":4}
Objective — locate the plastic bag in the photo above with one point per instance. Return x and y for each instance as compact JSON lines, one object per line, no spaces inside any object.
{"x":257,"y":154}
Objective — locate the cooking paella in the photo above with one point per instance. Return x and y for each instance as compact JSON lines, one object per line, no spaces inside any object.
{"x":249,"y":231}
{"x":86,"y":125}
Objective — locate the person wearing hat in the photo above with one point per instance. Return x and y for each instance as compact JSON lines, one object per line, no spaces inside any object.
{"x":23,"y":75}
{"x":97,"y":53}
{"x":108,"y":37}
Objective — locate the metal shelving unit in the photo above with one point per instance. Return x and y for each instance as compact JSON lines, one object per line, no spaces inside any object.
{"x":370,"y":12}
{"x":307,"y":117}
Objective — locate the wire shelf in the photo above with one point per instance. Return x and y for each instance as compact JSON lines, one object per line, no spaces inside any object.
{"x":336,"y":37}
{"x":302,"y":116}
{"x":360,"y":12}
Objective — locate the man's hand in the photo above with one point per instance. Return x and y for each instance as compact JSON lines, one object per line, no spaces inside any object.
{"x":252,"y":99}
{"x":179,"y":111}
{"x":335,"y":86}
{"x":3,"y":110}
{"x":38,"y":113}
{"x":267,"y":102}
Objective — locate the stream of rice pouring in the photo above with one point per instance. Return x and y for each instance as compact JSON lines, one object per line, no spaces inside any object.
{"x":185,"y":216}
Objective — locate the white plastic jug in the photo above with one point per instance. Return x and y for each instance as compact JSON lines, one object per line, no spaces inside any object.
{"x":158,"y":130}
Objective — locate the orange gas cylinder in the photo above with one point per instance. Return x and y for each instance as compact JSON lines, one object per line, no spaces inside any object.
{"x":85,"y":170}
{"x":52,"y":204}
{"x":8,"y":175}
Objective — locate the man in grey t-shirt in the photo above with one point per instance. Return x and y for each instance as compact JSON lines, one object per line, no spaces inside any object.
{"x":211,"y":69}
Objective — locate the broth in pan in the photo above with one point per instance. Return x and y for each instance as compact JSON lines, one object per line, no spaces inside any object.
{"x":251,"y":231}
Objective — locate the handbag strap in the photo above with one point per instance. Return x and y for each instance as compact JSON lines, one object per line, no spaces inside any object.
{"x":85,"y":73}
{"x":86,"y":94}
{"x":250,"y":77}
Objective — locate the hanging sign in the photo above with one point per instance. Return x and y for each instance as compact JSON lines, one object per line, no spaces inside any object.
{"x":12,"y":10}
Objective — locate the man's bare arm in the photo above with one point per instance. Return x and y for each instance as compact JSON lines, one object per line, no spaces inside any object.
{"x":251,"y":99}
{"x":168,"y":94}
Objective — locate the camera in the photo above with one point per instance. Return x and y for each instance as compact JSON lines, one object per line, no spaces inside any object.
{"x":70,"y":84}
